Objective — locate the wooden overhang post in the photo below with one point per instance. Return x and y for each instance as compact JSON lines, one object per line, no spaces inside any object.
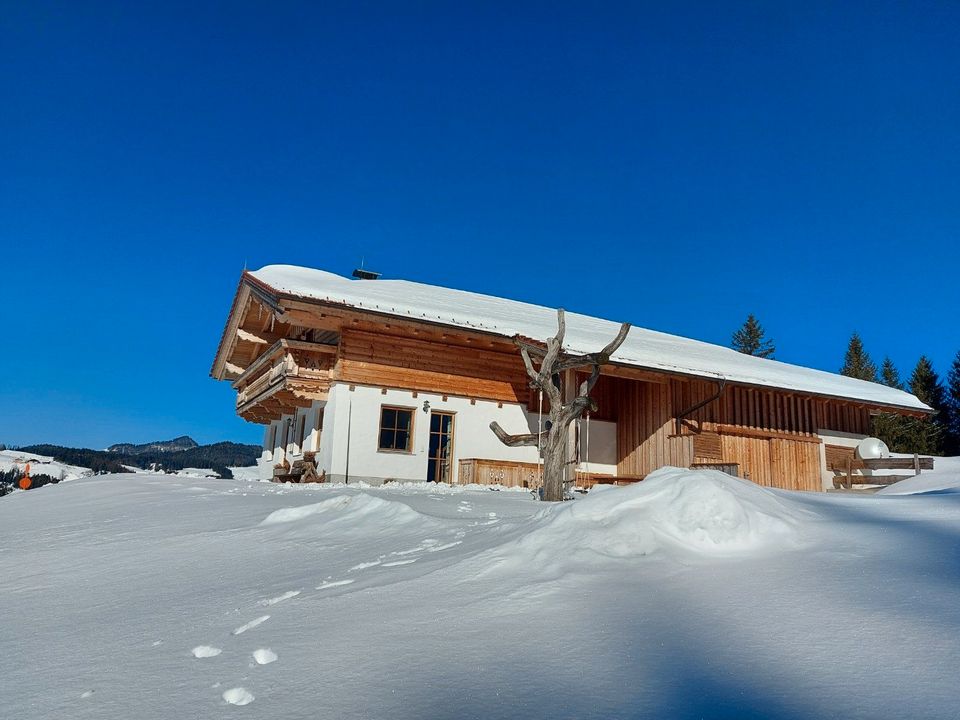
{"x":551,"y":362}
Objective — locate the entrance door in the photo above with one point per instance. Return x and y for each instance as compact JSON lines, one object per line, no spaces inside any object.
{"x":440,"y":455}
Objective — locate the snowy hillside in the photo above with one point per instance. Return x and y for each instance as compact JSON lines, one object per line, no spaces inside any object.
{"x":689,"y":595}
{"x":41,"y":465}
{"x":46,"y":465}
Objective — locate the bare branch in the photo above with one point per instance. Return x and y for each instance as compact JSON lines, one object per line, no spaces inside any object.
{"x":576,"y":408}
{"x":530,"y":347}
{"x":554,"y":344}
{"x":513,"y":440}
{"x":572,"y":362}
{"x":528,"y":364}
{"x":612,"y":346}
{"x":587,"y":385}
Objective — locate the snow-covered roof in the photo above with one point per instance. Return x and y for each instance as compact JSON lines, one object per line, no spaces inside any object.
{"x":643,"y":348}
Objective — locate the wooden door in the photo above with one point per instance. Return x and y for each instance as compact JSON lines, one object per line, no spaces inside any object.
{"x":440,"y":448}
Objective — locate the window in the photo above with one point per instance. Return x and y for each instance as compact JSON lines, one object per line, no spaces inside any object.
{"x":396,"y":429}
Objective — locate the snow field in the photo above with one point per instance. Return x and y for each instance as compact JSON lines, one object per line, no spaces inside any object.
{"x":689,"y":595}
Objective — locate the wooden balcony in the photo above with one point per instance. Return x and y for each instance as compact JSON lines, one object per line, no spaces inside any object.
{"x":288,"y":375}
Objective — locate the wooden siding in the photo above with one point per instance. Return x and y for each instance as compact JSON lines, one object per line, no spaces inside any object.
{"x":768,"y":409}
{"x":837,"y":456}
{"x":645,"y":439}
{"x":775,"y":462}
{"x":770,"y":436}
{"x":408,"y":364}
{"x":707,"y":447}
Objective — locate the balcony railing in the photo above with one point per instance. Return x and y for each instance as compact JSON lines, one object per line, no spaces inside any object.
{"x":290,"y":374}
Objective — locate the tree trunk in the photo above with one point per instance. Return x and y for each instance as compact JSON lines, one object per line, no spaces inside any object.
{"x":555,"y":464}
{"x":552,"y":363}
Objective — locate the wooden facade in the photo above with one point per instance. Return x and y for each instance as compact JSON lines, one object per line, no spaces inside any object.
{"x":398,"y":361}
{"x":282,"y":353}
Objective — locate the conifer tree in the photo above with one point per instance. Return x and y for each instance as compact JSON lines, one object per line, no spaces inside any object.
{"x":927,"y":434}
{"x":953,"y":408}
{"x":925,"y":384}
{"x":856,"y":362}
{"x":894,"y":430}
{"x":889,"y":375}
{"x":751,"y":339}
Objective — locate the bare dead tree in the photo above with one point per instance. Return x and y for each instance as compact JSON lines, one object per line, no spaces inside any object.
{"x":544,"y":374}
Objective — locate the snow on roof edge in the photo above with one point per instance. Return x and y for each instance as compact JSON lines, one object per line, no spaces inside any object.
{"x":647,"y":349}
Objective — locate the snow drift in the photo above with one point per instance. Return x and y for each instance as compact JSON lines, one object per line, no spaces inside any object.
{"x":698,"y":512}
{"x":362,"y":512}
{"x":945,"y":476}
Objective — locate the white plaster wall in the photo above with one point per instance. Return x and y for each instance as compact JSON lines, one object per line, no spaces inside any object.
{"x":265,"y":462}
{"x":834,"y":437}
{"x":360,"y":409}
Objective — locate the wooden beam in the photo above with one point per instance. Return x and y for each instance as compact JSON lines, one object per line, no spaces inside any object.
{"x":312,"y":320}
{"x":742,"y":431}
{"x":262,"y":339}
{"x":918,"y":463}
{"x":630,"y":373}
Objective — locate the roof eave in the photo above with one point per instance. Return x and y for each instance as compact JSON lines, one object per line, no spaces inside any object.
{"x":275,"y":297}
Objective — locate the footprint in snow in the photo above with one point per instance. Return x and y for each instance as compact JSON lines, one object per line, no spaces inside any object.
{"x":238,"y":696}
{"x":401,"y":553}
{"x":447,"y":546}
{"x":205,"y":651}
{"x":250,"y":625}
{"x":264,"y":656}
{"x":280,"y":598}
{"x":400,"y":562}
{"x":335,"y":583}
{"x":364,"y":565}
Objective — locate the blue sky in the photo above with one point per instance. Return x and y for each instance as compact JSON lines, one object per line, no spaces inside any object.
{"x":675,"y":165}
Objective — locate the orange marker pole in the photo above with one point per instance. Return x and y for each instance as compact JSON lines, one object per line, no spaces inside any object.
{"x":25,"y":482}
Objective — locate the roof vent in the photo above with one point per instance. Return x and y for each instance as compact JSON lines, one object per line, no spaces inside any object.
{"x":362,"y":274}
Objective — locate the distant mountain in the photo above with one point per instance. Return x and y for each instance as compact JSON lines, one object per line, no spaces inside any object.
{"x":184,"y":442}
{"x":218,"y":456}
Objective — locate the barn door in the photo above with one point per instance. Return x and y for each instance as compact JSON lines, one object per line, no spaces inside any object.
{"x":440,"y":453}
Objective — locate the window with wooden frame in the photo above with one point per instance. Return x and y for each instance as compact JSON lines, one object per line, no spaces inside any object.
{"x":396,"y":429}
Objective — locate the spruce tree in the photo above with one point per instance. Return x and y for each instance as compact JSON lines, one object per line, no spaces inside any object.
{"x":927,"y":434}
{"x":953,"y":408}
{"x":751,"y":339}
{"x":856,"y":362}
{"x":925,"y":384}
{"x":894,"y":430}
{"x":889,"y":375}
